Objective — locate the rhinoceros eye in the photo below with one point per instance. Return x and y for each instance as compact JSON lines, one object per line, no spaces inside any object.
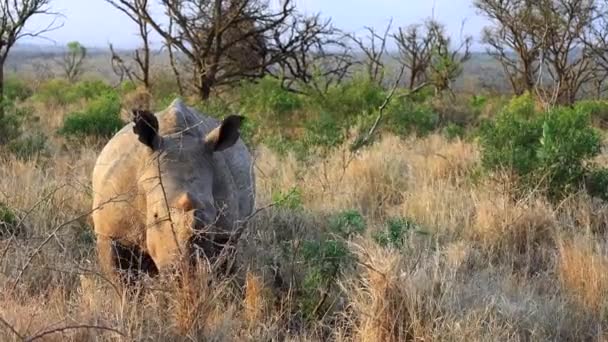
{"x":156,"y":215}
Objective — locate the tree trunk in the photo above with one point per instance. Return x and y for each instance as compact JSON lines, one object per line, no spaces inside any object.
{"x":1,"y":90}
{"x":204,"y":89}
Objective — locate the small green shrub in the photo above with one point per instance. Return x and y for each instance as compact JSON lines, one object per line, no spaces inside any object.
{"x":16,"y":89}
{"x":8,"y":221}
{"x":268,"y":100}
{"x":396,"y":232}
{"x":347,"y":224}
{"x":62,"y":92}
{"x":291,"y":199}
{"x":100,"y":118}
{"x":28,"y":147}
{"x":544,"y":150}
{"x":405,"y":117}
{"x":325,"y":132}
{"x":12,"y":120}
{"x":351,"y":99}
{"x":326,"y":258}
{"x":453,"y":131}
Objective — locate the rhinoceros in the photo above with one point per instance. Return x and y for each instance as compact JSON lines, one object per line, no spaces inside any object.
{"x":168,"y":184}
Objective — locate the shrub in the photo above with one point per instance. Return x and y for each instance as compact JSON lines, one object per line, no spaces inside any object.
{"x":325,"y":259}
{"x":291,"y":199}
{"x":28,"y":147}
{"x":62,"y":92}
{"x":12,"y":120}
{"x":16,"y":90}
{"x":547,"y":150}
{"x":101,"y":118}
{"x":396,"y":232}
{"x":8,"y":221}
{"x":351,"y":99}
{"x":268,"y":99}
{"x":405,"y":117}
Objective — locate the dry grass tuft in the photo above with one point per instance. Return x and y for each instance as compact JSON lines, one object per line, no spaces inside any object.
{"x":583,"y":272}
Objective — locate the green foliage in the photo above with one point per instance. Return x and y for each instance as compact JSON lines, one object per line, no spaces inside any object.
{"x":28,"y":147}
{"x":268,"y":99}
{"x":16,"y":90}
{"x":291,"y":199}
{"x":405,"y":117}
{"x":61,"y":92}
{"x":325,"y":132}
{"x":396,"y":232}
{"x":347,"y":224}
{"x":12,"y":120}
{"x":8,"y":221}
{"x":542,"y":149}
{"x":100,"y":118}
{"x":326,"y":257}
{"x":351,"y":99}
{"x":452,"y":131}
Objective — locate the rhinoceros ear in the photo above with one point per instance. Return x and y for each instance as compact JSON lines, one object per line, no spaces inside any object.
{"x":146,"y":127}
{"x":225,"y":135}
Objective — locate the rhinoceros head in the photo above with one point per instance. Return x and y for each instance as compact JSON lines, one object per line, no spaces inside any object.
{"x":177,"y":178}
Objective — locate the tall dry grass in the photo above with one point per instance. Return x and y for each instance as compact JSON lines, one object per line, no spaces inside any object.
{"x":488,"y":268}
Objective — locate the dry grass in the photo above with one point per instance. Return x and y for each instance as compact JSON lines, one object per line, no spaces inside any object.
{"x":490,"y":268}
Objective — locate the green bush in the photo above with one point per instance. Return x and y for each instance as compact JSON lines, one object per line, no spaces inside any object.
{"x":100,"y":118}
{"x":326,"y":258}
{"x":291,"y":199}
{"x":268,"y":100}
{"x":28,"y":147}
{"x":12,"y":120}
{"x":16,"y":90}
{"x":544,"y":150}
{"x":8,"y":221}
{"x":62,"y":92}
{"x":351,"y":99}
{"x":396,"y":232}
{"x":404,"y":117}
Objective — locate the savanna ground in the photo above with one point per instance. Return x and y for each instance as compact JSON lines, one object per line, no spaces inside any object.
{"x":410,"y":237}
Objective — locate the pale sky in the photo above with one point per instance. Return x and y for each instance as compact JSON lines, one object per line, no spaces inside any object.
{"x":95,"y":23}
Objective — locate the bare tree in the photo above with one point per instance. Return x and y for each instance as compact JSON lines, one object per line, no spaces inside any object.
{"x":545,"y":40}
{"x":72,"y":61}
{"x":415,"y":44}
{"x":374,"y":48}
{"x":316,"y":55}
{"x":512,"y":40}
{"x":224,"y":40}
{"x":135,"y":10}
{"x":14,"y":15}
{"x":596,"y":42}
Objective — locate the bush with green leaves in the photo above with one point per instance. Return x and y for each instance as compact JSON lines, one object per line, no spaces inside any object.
{"x":28,"y":146}
{"x":358,"y":96}
{"x":8,"y":221}
{"x":547,"y":151}
{"x":16,"y":89}
{"x":62,"y":92}
{"x":268,"y":99}
{"x":325,"y":258}
{"x":291,"y":199}
{"x":100,"y":118}
{"x":12,"y":120}
{"x":405,"y":117}
{"x":396,"y":231}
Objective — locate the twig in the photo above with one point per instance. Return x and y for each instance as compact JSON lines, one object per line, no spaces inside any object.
{"x":48,"y":238}
{"x":11,"y":328}
{"x":71,"y":327}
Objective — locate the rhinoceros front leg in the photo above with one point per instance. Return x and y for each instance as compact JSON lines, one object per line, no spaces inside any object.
{"x":123,"y":262}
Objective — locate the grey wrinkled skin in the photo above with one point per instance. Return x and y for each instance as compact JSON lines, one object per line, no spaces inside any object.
{"x":152,"y":205}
